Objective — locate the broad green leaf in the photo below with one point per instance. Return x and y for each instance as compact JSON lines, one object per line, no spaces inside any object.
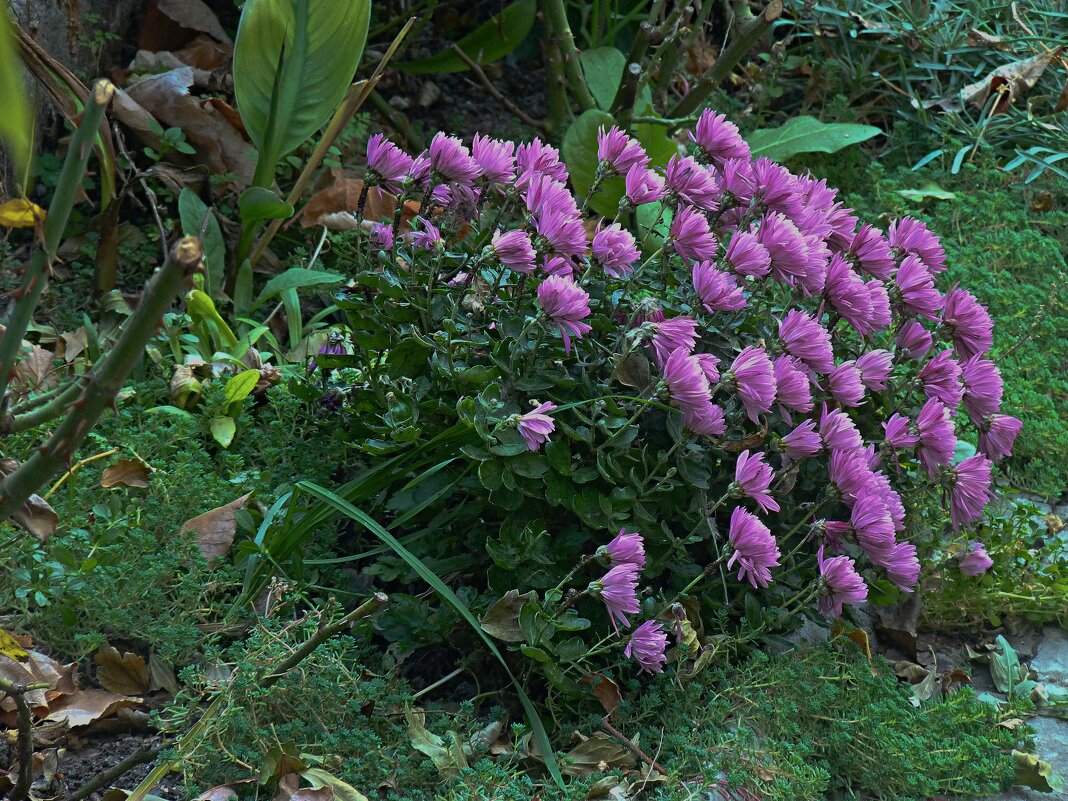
{"x":603,"y":68}
{"x":193,"y":212}
{"x":489,"y":42}
{"x":295,"y":278}
{"x":580,"y":155}
{"x":446,"y":593}
{"x":929,"y":191}
{"x":258,"y":203}
{"x":241,"y":385}
{"x":16,"y":123}
{"x":317,"y":777}
{"x":223,"y":430}
{"x":807,"y":135}
{"x":293,"y":63}
{"x":202,"y":309}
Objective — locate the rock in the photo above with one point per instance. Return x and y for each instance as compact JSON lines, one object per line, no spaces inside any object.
{"x":1051,"y":659}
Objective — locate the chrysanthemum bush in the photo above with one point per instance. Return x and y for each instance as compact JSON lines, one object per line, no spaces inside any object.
{"x":729,"y":407}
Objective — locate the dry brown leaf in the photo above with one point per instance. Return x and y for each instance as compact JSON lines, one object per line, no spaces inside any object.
{"x":204,"y":53}
{"x":88,"y":706}
{"x":607,"y":692}
{"x":335,"y":206}
{"x":73,"y":344}
{"x":135,"y":117}
{"x":161,"y":674}
{"x":219,"y":145}
{"x":36,"y":516}
{"x":37,"y":370}
{"x":126,"y":473}
{"x":36,"y":668}
{"x":223,"y":792}
{"x":194,"y":15}
{"x":1011,"y":81}
{"x":598,"y":754}
{"x":215,"y":529}
{"x":126,"y":674}
{"x":172,"y":24}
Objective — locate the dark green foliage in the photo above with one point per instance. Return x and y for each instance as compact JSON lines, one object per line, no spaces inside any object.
{"x":817,"y":723}
{"x":1012,"y":258}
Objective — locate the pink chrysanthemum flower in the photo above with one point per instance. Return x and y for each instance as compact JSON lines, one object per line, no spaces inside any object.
{"x":871,"y":522}
{"x":690,"y":235}
{"x":898,"y":434}
{"x":427,"y":237}
{"x":514,"y":250}
{"x":709,"y":366}
{"x":755,"y":549}
{"x":975,"y":560}
{"x":937,"y":437}
{"x":736,"y":176}
{"x":838,"y":431}
{"x":644,"y":186}
{"x":941,"y":379}
{"x":620,"y":151}
{"x":451,"y":160}
{"x":752,"y":478}
{"x":671,"y":335}
{"x":567,"y":305}
{"x":707,"y":421}
{"x":538,"y":157}
{"x":614,"y":249}
{"x":845,"y":385}
{"x":850,"y":474}
{"x":557,"y":265}
{"x":686,"y":382}
{"x":793,"y":390}
{"x":545,"y":196}
{"x":807,"y":340}
{"x":717,"y":290}
{"x":914,"y":339}
{"x":902,"y":566}
{"x":786,"y":246}
{"x":969,"y":489}
{"x":997,"y":434}
{"x":564,"y":234}
{"x":419,"y":171}
{"x":626,"y":548}
{"x":881,"y":315}
{"x":775,"y":187}
{"x":717,"y":139}
{"x":647,"y":646}
{"x":968,"y":323}
{"x":889,"y":495}
{"x":746,"y":256}
{"x":915,"y":289}
{"x":536,"y":426}
{"x":618,"y":589}
{"x":754,"y":377}
{"x":814,"y":278}
{"x":692,"y":183}
{"x":843,"y":583}
{"x":847,"y":292}
{"x":871,"y":251}
{"x":387,"y":164}
{"x":801,"y":442}
{"x":982,"y":387}
{"x":875,"y":367}
{"x":910,"y":236}
{"x":381,"y":236}
{"x":495,"y":159}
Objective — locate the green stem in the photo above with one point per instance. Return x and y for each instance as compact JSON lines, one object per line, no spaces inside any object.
{"x":106,"y":379}
{"x":556,"y":15}
{"x":67,"y":188}
{"x":39,"y":415}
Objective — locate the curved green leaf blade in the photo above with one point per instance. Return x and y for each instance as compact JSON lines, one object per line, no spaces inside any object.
{"x":16,"y":124}
{"x":293,"y":62}
{"x":603,"y":69}
{"x":442,"y":589}
{"x":295,"y":278}
{"x":193,"y":212}
{"x":259,"y":203}
{"x":489,"y":42}
{"x":807,"y":135}
{"x":580,"y":154}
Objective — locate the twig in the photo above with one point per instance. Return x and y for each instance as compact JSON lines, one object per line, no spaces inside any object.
{"x":437,"y":683}
{"x":644,"y":757}
{"x":119,"y":769}
{"x":495,"y":93}
{"x":17,"y":693}
{"x":75,"y":468}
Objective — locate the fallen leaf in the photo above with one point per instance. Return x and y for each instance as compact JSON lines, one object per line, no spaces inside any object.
{"x":36,"y":515}
{"x":1036,"y":773}
{"x":928,"y":688}
{"x":204,"y":53}
{"x":21,"y":213}
{"x":125,"y":473}
{"x":215,"y":529}
{"x":161,"y":674}
{"x":335,"y":206}
{"x":954,"y":679}
{"x":502,"y":619}
{"x":74,"y":343}
{"x":126,"y":674}
{"x":1010,"y":81}
{"x":447,"y":755}
{"x":88,"y":706}
{"x":910,"y":671}
{"x":223,"y":792}
{"x":9,"y":646}
{"x":171,"y":24}
{"x":597,"y":754}
{"x":37,"y":368}
{"x":898,"y":623}
{"x":607,"y":692}
{"x":320,"y":779}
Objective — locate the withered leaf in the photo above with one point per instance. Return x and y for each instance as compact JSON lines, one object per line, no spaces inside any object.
{"x":36,"y":516}
{"x":88,"y":706}
{"x":161,"y":674}
{"x":607,"y":692}
{"x":502,"y":619}
{"x":126,"y":674}
{"x":597,"y":754}
{"x":125,"y":473}
{"x":335,"y":206}
{"x":195,"y":15}
{"x":215,"y":529}
{"x":223,"y":792}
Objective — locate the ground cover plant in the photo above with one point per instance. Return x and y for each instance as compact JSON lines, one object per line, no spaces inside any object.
{"x":474,"y":466}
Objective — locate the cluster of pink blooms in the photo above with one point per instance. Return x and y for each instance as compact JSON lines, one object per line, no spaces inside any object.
{"x":863,"y":325}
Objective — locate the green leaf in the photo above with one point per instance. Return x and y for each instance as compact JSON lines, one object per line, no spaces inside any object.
{"x":16,"y":123}
{"x":258,"y":203}
{"x":202,"y":309}
{"x":807,"y":135}
{"x":194,"y":212}
{"x":239,"y":387}
{"x":317,"y":778}
{"x":293,"y":63}
{"x":929,"y":191}
{"x":295,"y":278}
{"x":580,"y":154}
{"x":223,"y":430}
{"x":489,"y":42}
{"x":1036,"y":773}
{"x":603,"y":68}
{"x":446,"y":593}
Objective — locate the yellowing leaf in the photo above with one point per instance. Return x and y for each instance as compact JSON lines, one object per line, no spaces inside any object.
{"x":9,"y":646}
{"x":239,"y":387}
{"x":21,"y":213}
{"x":223,"y":430}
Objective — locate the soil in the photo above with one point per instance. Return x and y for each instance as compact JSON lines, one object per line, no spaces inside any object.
{"x":77,"y":766}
